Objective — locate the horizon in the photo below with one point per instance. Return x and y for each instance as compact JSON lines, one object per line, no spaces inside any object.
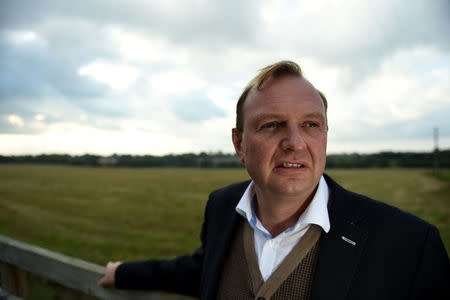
{"x":212,"y":153}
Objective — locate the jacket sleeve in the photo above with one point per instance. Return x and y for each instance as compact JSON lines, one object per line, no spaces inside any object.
{"x":432,"y":279}
{"x":181,"y":275}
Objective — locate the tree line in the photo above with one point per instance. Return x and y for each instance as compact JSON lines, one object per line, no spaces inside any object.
{"x":222,"y":160}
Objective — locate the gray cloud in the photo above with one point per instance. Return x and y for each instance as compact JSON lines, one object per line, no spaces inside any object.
{"x":358,"y":35}
{"x":37,"y":72}
{"x":210,"y":22}
{"x":371,"y":31}
{"x":195,"y":107}
{"x":421,"y":128}
{"x":33,"y":72}
{"x":73,"y":34}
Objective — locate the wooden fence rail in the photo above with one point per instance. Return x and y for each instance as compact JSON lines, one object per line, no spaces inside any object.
{"x":20,"y":261}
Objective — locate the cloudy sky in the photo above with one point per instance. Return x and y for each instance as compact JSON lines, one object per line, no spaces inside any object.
{"x":158,"y":77}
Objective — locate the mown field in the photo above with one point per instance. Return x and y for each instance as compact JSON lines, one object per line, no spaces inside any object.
{"x":101,"y":214}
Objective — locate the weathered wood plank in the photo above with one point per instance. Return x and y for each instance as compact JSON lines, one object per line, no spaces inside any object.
{"x":68,"y":271}
{"x":13,"y":280}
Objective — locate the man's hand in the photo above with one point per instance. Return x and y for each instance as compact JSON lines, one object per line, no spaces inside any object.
{"x":110,"y":273}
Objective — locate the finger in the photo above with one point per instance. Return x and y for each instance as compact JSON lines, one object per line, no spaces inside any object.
{"x":101,"y":282}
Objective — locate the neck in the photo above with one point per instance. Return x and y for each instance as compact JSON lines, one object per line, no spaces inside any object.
{"x":277,"y":216}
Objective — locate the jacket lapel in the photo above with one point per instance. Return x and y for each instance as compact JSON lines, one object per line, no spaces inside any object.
{"x":226,"y":221}
{"x":340,"y":248}
{"x":217,"y":257}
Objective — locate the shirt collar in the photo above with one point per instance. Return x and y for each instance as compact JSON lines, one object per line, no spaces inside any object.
{"x":315,"y":213}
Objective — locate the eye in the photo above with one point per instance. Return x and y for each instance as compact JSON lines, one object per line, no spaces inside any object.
{"x":270,"y":125}
{"x":311,"y":125}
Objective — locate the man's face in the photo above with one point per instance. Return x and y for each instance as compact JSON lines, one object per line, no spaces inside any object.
{"x":284,"y":138}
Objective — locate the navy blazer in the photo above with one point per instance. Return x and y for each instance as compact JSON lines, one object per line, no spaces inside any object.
{"x":372,"y":251}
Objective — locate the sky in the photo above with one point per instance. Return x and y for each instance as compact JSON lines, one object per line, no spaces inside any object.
{"x":160,"y":77}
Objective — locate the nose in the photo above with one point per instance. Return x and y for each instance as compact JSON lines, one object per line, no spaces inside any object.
{"x":293,"y":140}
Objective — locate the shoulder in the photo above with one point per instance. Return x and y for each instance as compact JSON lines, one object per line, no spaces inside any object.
{"x":392,"y":248}
{"x":372,"y":213}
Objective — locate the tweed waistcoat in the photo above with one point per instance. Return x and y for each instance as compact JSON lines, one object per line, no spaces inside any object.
{"x":241,"y":278}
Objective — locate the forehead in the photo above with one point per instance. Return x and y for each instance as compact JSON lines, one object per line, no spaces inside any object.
{"x":284,"y":95}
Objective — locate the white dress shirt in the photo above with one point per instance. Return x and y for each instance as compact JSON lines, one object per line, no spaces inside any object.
{"x":272,"y":251}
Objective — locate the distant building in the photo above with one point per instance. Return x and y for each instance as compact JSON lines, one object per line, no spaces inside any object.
{"x":107,"y":161}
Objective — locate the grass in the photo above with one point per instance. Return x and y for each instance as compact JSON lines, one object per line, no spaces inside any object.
{"x":101,"y":214}
{"x":98,"y":214}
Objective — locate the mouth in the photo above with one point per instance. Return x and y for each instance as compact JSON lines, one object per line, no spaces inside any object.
{"x":291,"y":165}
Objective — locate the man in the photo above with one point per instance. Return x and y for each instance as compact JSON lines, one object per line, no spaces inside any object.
{"x":292,"y":232}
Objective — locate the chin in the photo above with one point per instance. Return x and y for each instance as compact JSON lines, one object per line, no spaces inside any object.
{"x":292,"y":190}
{"x":287,"y":187}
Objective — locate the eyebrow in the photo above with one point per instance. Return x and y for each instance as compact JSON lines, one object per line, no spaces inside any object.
{"x":262,"y":117}
{"x":315,"y":115}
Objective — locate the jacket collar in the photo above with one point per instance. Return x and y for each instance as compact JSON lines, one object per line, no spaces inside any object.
{"x":340,"y":249}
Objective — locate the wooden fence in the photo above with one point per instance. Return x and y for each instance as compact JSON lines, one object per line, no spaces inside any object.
{"x":64,"y":277}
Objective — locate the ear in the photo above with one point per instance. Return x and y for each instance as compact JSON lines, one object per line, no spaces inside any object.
{"x":237,"y":142}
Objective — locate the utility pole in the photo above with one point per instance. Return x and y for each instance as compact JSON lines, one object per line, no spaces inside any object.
{"x":436,"y":150}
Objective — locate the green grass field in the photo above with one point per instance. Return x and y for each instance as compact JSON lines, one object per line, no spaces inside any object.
{"x":101,"y":214}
